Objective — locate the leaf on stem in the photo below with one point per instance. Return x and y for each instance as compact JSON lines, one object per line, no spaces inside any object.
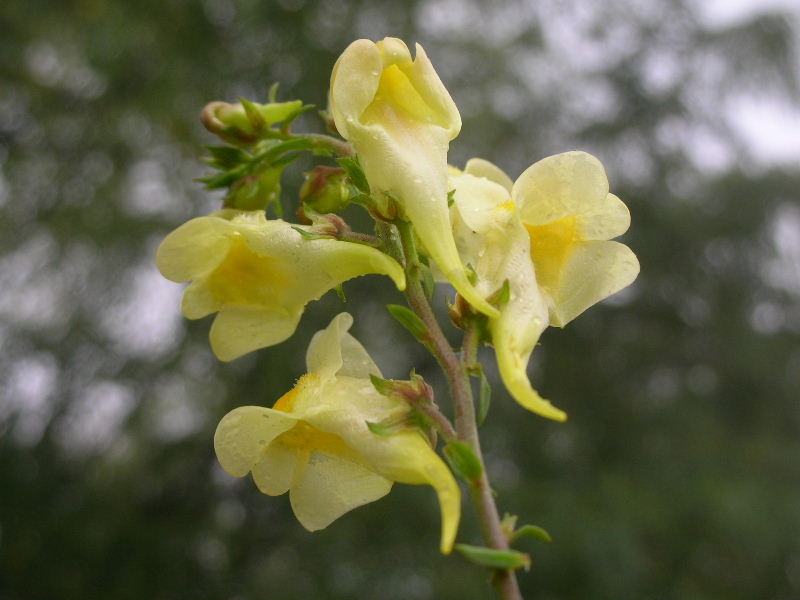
{"x":531,"y":531}
{"x":355,"y":173}
{"x":410,"y":321}
{"x":463,"y":461}
{"x":494,"y":559}
{"x":484,"y":397}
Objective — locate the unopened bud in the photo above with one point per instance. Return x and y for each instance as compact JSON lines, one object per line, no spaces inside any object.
{"x":255,"y":192}
{"x":243,"y":122}
{"x":325,"y":189}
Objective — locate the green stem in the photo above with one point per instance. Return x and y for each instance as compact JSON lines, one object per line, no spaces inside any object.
{"x":455,"y":370}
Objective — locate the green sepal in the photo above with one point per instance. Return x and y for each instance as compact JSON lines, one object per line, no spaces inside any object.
{"x":494,"y":559}
{"x":463,"y":461}
{"x":501,"y":296}
{"x":410,"y":321}
{"x":272,"y":94}
{"x":340,"y":292}
{"x":472,"y":276}
{"x":355,"y":173}
{"x":388,"y":426}
{"x":257,"y":120}
{"x":451,"y":197}
{"x":530,"y":531}
{"x":309,"y":235}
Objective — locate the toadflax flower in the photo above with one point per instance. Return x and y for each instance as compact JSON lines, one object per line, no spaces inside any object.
{"x":400,"y":119}
{"x":547,"y":235}
{"x":258,"y":275}
{"x":315,"y":442}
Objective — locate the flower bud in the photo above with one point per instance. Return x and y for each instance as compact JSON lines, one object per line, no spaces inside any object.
{"x":255,"y":192}
{"x":325,"y":189}
{"x":243,"y":122}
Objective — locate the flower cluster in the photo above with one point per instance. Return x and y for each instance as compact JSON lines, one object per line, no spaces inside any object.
{"x":521,"y":255}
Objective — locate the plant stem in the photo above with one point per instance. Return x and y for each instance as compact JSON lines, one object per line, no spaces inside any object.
{"x":455,"y":370}
{"x":338,"y":146}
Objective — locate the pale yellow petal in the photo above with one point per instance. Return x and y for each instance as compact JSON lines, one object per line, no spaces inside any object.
{"x":593,"y":271}
{"x":333,"y":351}
{"x":560,"y":186}
{"x":512,"y":366}
{"x":483,"y":168}
{"x":354,"y":82}
{"x":481,"y":204}
{"x":330,"y":486}
{"x":194,"y":249}
{"x":430,"y":87}
{"x":244,"y":434}
{"x":335,"y":262}
{"x":198,"y":301}
{"x":275,"y":472}
{"x":238,"y":330}
{"x":324,"y":354}
{"x":608,"y":221}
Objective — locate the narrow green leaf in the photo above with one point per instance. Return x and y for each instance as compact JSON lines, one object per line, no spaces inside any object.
{"x":355,"y":173}
{"x":531,"y":531}
{"x":494,"y":559}
{"x":410,"y":321}
{"x":428,"y":283}
{"x":226,"y":157}
{"x":463,"y":461}
{"x":221,"y":180}
{"x":484,"y":398}
{"x":293,"y":116}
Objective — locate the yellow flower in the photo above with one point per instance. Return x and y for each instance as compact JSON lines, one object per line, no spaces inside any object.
{"x":258,"y":275}
{"x":547,"y":235}
{"x":400,"y":119}
{"x":315,"y":443}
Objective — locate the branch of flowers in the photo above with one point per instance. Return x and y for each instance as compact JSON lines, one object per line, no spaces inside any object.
{"x":455,"y":370}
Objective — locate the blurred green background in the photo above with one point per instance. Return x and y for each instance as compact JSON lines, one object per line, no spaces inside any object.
{"x":678,"y":474}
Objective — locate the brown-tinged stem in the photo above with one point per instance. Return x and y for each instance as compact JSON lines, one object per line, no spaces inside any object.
{"x":340,"y":147}
{"x":455,"y":369}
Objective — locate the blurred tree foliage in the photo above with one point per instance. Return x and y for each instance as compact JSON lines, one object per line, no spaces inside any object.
{"x":678,"y":474}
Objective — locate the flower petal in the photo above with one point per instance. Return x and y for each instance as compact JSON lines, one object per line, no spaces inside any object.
{"x":483,"y":168}
{"x":194,"y":249}
{"x":333,"y":351}
{"x":611,"y":219}
{"x":482,"y":204}
{"x":275,"y":473}
{"x":331,"y":485}
{"x":244,"y":434}
{"x":198,"y":301}
{"x":560,"y":186}
{"x":593,"y":271}
{"x":522,"y":320}
{"x":238,"y":330}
